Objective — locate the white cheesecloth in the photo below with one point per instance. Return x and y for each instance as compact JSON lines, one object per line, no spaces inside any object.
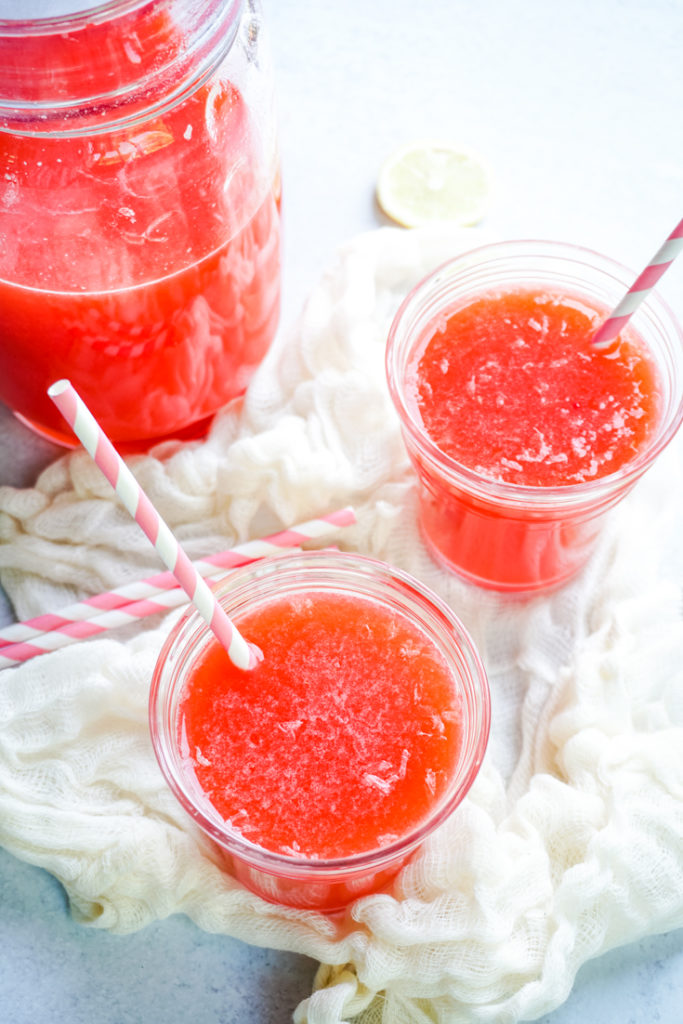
{"x":571,"y":839}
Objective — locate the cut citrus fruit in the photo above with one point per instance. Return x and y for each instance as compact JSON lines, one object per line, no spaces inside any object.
{"x":429,"y":181}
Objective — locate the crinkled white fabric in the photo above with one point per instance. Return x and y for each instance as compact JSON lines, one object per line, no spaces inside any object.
{"x":570,"y":840}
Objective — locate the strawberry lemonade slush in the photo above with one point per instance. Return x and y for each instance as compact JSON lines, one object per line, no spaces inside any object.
{"x":522,"y":433}
{"x":363,"y":726}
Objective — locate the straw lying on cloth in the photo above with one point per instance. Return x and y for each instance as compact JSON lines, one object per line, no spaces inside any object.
{"x":124,"y":605}
{"x":569,"y":841}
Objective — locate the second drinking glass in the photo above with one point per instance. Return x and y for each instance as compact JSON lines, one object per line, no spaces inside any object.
{"x":522,"y":434}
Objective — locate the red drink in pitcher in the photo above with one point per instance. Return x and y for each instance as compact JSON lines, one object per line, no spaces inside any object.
{"x":140,"y":228}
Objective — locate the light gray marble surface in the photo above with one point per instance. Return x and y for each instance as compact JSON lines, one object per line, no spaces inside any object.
{"x":577,"y":110}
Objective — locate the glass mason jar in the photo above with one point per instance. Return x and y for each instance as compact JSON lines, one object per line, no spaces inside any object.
{"x":139,"y":212}
{"x":304,"y":746}
{"x":505,"y":535}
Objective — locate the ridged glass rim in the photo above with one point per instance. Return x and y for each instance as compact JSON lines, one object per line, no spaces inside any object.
{"x":70,"y":19}
{"x":331,"y":570}
{"x":211,"y":30}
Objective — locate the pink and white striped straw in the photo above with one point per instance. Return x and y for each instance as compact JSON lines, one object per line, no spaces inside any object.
{"x":132,"y":602}
{"x":132,"y":597}
{"x":99,"y":447}
{"x":640,"y":288}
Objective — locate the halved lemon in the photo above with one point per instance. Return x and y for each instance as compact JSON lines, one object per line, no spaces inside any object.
{"x":431,"y":181}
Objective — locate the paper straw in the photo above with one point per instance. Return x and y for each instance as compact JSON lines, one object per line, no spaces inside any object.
{"x":24,"y":640}
{"x":42,"y":643}
{"x":152,"y":587}
{"x":640,"y":288}
{"x":99,"y":447}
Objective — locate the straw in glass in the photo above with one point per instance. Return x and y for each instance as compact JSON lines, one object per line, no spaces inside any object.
{"x":99,"y":447}
{"x":640,"y":289}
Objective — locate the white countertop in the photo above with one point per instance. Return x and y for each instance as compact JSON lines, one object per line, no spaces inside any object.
{"x":577,"y":111}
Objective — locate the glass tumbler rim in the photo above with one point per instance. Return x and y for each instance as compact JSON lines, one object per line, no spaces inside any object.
{"x":543,"y":499}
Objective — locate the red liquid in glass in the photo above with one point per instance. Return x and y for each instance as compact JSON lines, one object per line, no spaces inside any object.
{"x":510,"y":386}
{"x":341,"y":741}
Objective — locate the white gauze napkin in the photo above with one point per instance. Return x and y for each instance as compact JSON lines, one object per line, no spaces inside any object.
{"x":570,"y":840}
